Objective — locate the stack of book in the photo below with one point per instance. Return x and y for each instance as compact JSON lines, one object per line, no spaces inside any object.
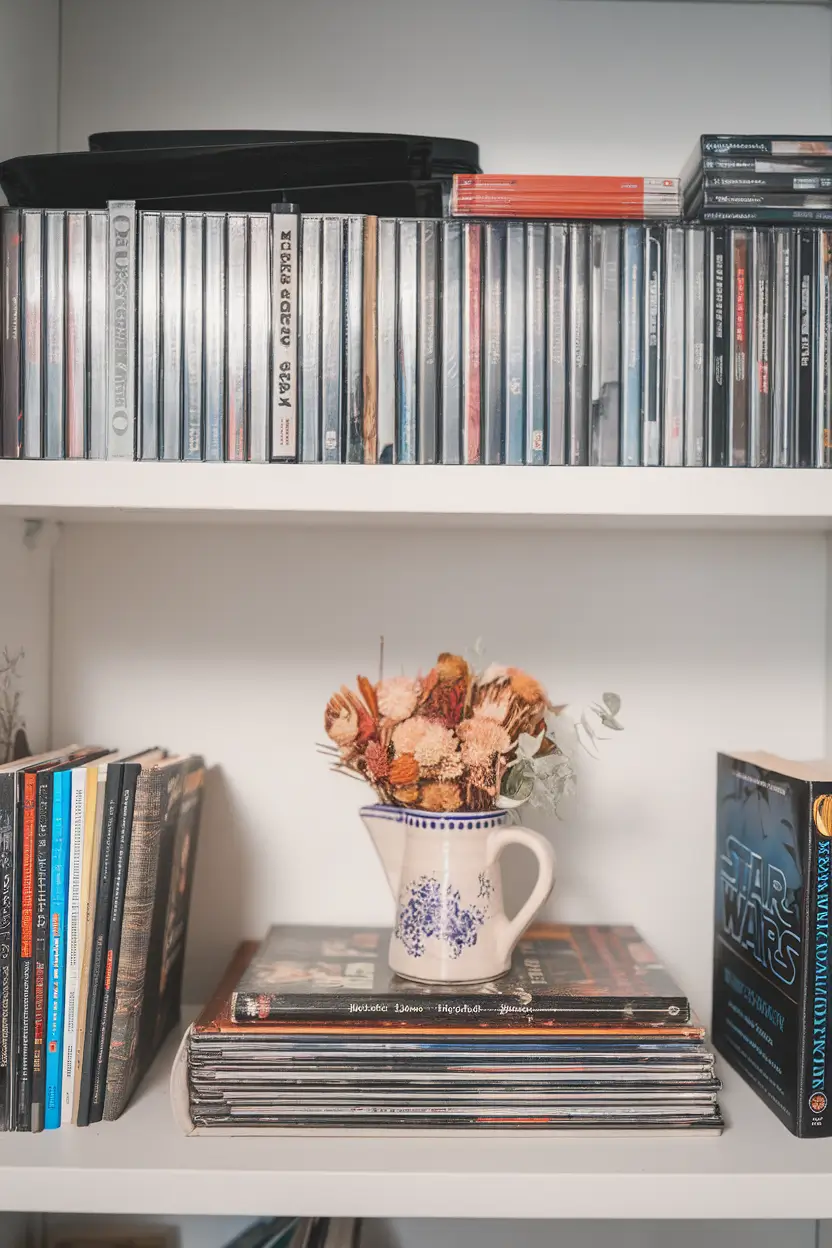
{"x":350,"y":339}
{"x":547,"y":195}
{"x":759,"y":177}
{"x":310,"y":1031}
{"x":97,"y":852}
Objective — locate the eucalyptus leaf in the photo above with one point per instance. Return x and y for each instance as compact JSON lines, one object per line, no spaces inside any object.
{"x":527,"y":745}
{"x":612,"y":702}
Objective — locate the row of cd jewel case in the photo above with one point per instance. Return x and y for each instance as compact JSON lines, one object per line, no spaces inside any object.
{"x":356,"y":339}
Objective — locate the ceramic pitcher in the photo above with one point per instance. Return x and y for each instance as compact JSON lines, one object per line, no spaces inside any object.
{"x":444,"y":873}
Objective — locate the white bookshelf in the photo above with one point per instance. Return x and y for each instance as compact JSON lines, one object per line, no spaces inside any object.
{"x":215,"y":607}
{"x":144,"y":1162}
{"x":418,"y":496}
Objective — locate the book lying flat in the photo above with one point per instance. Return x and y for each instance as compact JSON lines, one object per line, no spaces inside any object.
{"x":560,"y":974}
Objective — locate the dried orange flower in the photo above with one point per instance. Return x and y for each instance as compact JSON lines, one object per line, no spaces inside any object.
{"x":526,"y":687}
{"x":439,"y":796}
{"x":407,"y":796}
{"x":403,"y":770}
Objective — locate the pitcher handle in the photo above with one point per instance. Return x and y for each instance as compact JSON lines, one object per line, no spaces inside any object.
{"x":545,"y":855}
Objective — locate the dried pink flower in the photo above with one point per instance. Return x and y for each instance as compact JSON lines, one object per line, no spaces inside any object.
{"x":494,"y":705}
{"x":397,"y":697}
{"x":375,"y":756}
{"x":482,"y":739}
{"x":408,"y":734}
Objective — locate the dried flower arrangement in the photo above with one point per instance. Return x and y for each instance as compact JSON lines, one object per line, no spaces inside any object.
{"x":457,"y":739}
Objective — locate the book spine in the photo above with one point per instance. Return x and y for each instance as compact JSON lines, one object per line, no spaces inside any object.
{"x":214,"y":341}
{"x":632,"y":303}
{"x":236,"y":415}
{"x":285,"y":329}
{"x":332,"y":333}
{"x":557,"y":262}
{"x":310,"y":339}
{"x":750,"y":181}
{"x":353,"y":326}
{"x":806,"y":348}
{"x":193,"y":281}
{"x":715,"y":379}
{"x":101,"y":927}
{"x":54,"y":372}
{"x":514,"y":345}
{"x":760,"y":432}
{"x":605,"y":363}
{"x":25,"y":1030}
{"x":737,"y":245}
{"x":782,"y":349}
{"x":171,"y":416}
{"x":43,"y":865}
{"x":77,"y":807}
{"x":651,"y":424}
{"x":93,"y":822}
{"x":121,"y":861}
{"x":673,"y":349}
{"x":471,"y":343}
{"x":121,"y":336}
{"x":823,"y":441}
{"x":812,"y":1116}
{"x":259,"y":337}
{"x":427,"y":381}
{"x":11,"y":390}
{"x":694,"y":348}
{"x":782,"y":145}
{"x":77,"y":434}
{"x":493,"y":343}
{"x":58,"y":885}
{"x":32,"y":334}
{"x":452,"y":352}
{"x":535,"y":431}
{"x":407,"y":341}
{"x":150,"y":312}
{"x":800,"y":216}
{"x":98,"y":236}
{"x":8,"y":945}
{"x":387,"y":304}
{"x":370,"y":342}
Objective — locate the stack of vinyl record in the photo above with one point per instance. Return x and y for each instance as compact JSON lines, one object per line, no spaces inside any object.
{"x":565,"y":197}
{"x":759,"y":177}
{"x":310,"y":1031}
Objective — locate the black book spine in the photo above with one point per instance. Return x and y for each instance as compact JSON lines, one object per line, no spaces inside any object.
{"x":43,"y":866}
{"x":457,"y":1009}
{"x":813,"y":1083}
{"x":103,"y":903}
{"x":8,"y":943}
{"x":717,"y":405}
{"x":806,"y":347}
{"x":121,"y":861}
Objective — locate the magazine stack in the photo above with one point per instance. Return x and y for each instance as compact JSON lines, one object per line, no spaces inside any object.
{"x":309,"y":1031}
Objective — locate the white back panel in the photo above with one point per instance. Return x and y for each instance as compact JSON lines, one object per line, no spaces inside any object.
{"x":230,"y":640}
{"x":543,"y":85}
{"x":28,"y":77}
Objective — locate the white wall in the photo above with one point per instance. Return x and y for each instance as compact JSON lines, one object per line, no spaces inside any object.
{"x":230,"y":641}
{"x":542,"y":85}
{"x":28,"y":76}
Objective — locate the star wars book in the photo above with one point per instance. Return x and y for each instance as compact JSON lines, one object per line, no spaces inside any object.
{"x":771,"y":937}
{"x":560,"y":975}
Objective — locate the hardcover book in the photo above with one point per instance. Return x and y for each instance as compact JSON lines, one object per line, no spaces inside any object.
{"x":560,"y":974}
{"x":771,"y":938}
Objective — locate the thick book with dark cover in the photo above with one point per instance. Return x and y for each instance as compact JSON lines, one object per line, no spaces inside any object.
{"x":771,"y":1017}
{"x":560,"y":974}
{"x":158,"y":882}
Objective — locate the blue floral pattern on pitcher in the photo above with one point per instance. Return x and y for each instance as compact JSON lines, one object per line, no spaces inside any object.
{"x":427,"y":911}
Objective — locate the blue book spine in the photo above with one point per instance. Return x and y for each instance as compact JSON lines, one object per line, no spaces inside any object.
{"x":632,"y":303}
{"x":59,"y":880}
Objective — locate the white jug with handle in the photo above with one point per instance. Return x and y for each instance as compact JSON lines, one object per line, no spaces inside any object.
{"x":444,"y":873}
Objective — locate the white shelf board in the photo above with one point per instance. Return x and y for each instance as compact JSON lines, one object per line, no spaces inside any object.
{"x":144,"y":1164}
{"x":467,"y":496}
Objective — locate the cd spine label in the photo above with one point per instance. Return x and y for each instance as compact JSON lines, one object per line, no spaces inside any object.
{"x":98,"y":228}
{"x":515,"y":344}
{"x":406,"y":342}
{"x":673,"y":353}
{"x":536,"y":281}
{"x":370,"y":341}
{"x":494,"y":372}
{"x":285,"y":328}
{"x":605,"y":344}
{"x":782,"y":347}
{"x":121,"y":377}
{"x":214,"y":337}
{"x":387,"y":303}
{"x":427,"y":388}
{"x":651,"y":436}
{"x":259,"y":300}
{"x":192,"y":334}
{"x":310,"y":338}
{"x":717,"y":405}
{"x":332,"y":274}
{"x":171,"y":421}
{"x":738,"y":388}
{"x":632,"y":297}
{"x":236,"y":339}
{"x":452,"y":348}
{"x":472,"y":344}
{"x":556,"y":376}
{"x":806,"y":349}
{"x":76,"y":335}
{"x":11,"y":397}
{"x":759,"y":434}
{"x":353,"y":358}
{"x":150,"y":310}
{"x":579,"y":379}
{"x":695,"y":348}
